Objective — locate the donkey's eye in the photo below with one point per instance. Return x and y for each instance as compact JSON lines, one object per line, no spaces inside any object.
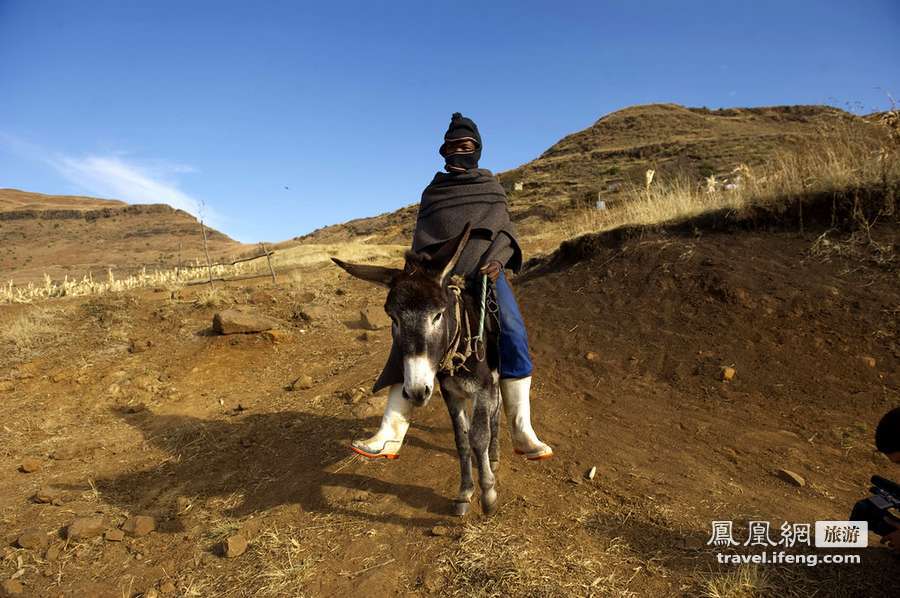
{"x":436,"y":318}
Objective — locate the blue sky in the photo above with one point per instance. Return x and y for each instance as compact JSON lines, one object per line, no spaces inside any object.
{"x":218,"y":106}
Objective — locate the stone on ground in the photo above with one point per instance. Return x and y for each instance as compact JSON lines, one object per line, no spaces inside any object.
{"x":728,"y":373}
{"x":234,"y":321}
{"x":31,"y":464}
{"x":114,"y":535}
{"x":234,"y":546}
{"x":47,"y":494}
{"x":791,"y":477}
{"x":83,"y":528}
{"x":139,"y":525}
{"x":32,"y":539}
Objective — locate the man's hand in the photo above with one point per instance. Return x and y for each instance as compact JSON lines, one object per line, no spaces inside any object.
{"x":493,"y":269}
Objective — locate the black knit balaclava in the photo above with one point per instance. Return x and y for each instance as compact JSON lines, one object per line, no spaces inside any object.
{"x":462,"y":128}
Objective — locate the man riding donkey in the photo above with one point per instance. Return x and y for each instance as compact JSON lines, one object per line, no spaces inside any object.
{"x":467,"y":194}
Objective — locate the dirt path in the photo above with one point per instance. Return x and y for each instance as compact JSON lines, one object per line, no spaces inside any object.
{"x":200,"y":432}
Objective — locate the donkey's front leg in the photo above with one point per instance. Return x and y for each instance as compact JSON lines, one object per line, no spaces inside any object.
{"x":480,"y":439}
{"x":457,"y":408}
{"x":494,"y":446}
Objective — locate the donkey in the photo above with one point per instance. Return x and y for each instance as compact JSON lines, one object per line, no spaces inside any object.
{"x":434,"y":322}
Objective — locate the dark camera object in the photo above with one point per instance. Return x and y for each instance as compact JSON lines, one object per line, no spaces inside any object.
{"x":881,"y":508}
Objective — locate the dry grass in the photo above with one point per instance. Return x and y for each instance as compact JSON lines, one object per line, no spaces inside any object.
{"x":840,"y":161}
{"x":744,"y":582}
{"x":496,"y":559}
{"x":30,"y":329}
{"x":89,"y":286}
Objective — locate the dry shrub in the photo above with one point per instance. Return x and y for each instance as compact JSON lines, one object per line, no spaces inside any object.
{"x":30,"y":329}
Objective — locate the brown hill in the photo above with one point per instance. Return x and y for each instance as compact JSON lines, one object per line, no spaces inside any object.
{"x":69,"y":235}
{"x":615,"y":151}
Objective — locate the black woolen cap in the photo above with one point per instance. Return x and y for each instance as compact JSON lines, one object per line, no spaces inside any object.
{"x":461,"y":127}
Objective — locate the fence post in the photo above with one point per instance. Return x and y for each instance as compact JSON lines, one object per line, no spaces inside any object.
{"x":269,"y":260}
{"x":206,"y":250}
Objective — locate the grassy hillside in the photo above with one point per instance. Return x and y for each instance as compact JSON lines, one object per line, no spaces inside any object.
{"x":609,"y":160}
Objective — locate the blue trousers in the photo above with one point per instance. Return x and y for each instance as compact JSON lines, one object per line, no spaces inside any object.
{"x":515,"y":362}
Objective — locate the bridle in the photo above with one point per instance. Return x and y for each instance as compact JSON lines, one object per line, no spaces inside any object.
{"x":453,"y":358}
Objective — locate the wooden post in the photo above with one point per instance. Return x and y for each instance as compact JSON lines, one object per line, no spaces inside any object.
{"x":206,"y":250}
{"x":269,"y":260}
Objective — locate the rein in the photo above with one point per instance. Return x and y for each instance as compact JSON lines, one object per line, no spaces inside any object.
{"x":454,"y":358}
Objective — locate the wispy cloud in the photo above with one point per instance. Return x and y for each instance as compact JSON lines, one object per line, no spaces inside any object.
{"x":118,"y":177}
{"x":112,"y":176}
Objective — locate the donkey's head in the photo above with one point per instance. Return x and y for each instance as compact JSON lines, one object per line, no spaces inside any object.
{"x":418,"y":303}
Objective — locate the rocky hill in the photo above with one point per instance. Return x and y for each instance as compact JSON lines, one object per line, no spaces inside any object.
{"x":70,"y":235}
{"x":612,"y":154}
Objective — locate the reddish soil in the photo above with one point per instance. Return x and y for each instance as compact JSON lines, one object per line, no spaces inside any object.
{"x":200,"y":431}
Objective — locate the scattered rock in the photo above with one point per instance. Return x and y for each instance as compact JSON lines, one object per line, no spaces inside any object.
{"x":11,"y":587}
{"x":373,"y":318}
{"x":139,"y":345}
{"x":728,"y":373}
{"x":574,"y":480}
{"x":47,"y":494}
{"x":869,"y":362}
{"x":234,"y":546}
{"x":65,"y":452}
{"x":730,"y":454}
{"x":591,"y":473}
{"x":114,"y":535}
{"x":440,"y":531}
{"x":233,"y":321}
{"x":53,"y":552}
{"x":312,"y":313}
{"x":790,"y":477}
{"x":61,"y":376}
{"x":139,"y":525}
{"x":302,"y":383}
{"x":32,"y":539}
{"x":591,"y":356}
{"x":276,"y":336}
{"x":167,"y":587}
{"x":83,"y":528}
{"x":31,"y":464}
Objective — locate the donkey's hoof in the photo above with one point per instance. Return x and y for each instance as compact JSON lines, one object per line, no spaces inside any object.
{"x":460,"y":509}
{"x":495,"y":465}
{"x":489,"y":502}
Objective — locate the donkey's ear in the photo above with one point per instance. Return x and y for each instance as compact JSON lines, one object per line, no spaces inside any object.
{"x":445,"y":258}
{"x":377,"y":274}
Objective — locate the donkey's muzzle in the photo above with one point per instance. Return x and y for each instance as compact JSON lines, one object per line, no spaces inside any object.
{"x":418,"y":394}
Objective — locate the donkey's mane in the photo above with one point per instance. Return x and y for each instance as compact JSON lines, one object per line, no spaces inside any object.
{"x":418,"y":261}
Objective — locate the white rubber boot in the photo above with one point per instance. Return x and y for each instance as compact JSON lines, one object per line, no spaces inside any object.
{"x":386,"y":443}
{"x":517,"y":404}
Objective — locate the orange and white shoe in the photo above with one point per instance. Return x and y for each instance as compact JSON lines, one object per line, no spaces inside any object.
{"x":386,"y":442}
{"x":517,"y":405}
